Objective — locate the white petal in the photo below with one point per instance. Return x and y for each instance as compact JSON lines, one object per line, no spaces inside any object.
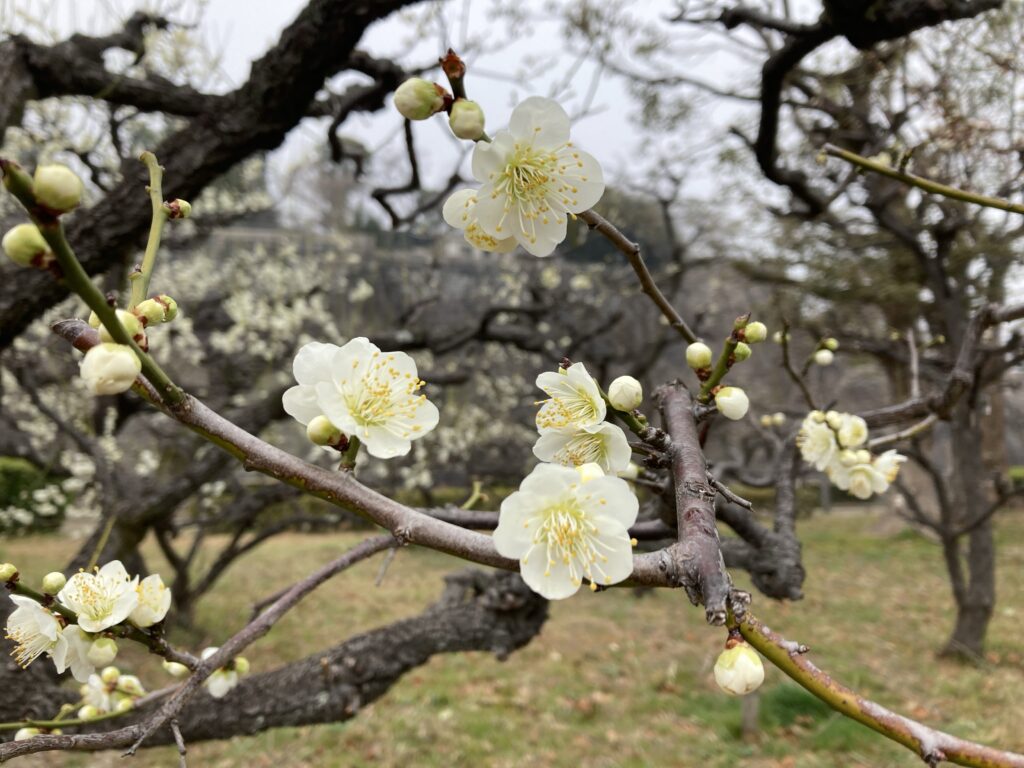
{"x":514,"y":535}
{"x":550,"y":443}
{"x":550,"y":580}
{"x":114,"y":571}
{"x":620,"y":503}
{"x":491,"y":216}
{"x":540,"y":120}
{"x":312,"y":363}
{"x":616,"y":546}
{"x":333,"y":406}
{"x":382,"y":442}
{"x":459,"y":209}
{"x":489,"y":158}
{"x":549,"y":480}
{"x":583,"y":173}
{"x":300,"y":403}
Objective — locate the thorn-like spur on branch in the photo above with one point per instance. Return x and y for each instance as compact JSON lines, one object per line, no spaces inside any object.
{"x":408,"y":525}
{"x":631,"y":251}
{"x":932,"y":745}
{"x":701,"y":569}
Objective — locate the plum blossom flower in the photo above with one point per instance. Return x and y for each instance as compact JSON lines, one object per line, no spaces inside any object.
{"x":460,"y":212}
{"x":366,"y":393}
{"x":154,"y":601}
{"x":222,"y":680}
{"x":33,"y":628}
{"x":533,"y":178}
{"x":574,"y":402}
{"x":72,"y":652}
{"x":739,"y":670}
{"x":565,"y":525}
{"x":101,"y":599}
{"x":853,"y":431}
{"x":817,"y":441}
{"x":605,"y":445}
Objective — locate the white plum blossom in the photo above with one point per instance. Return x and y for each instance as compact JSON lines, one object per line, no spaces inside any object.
{"x":533,"y":178}
{"x":817,"y":441}
{"x":739,"y":670}
{"x":460,"y":212}
{"x":33,"y":628}
{"x":605,"y":445}
{"x":366,"y":393}
{"x":154,"y":601}
{"x":574,"y":402}
{"x":96,"y":693}
{"x":222,"y":680}
{"x":566,"y":525}
{"x":72,"y":652}
{"x":853,"y":431}
{"x":102,"y":599}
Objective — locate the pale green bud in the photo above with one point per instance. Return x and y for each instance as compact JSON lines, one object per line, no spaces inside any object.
{"x":7,"y":571}
{"x":321,"y":431}
{"x":25,"y":245}
{"x":777,"y":337}
{"x":755,"y":332}
{"x":170,"y":307}
{"x":739,"y":670}
{"x":131,"y":685}
{"x":698,"y":355}
{"x":466,"y":120}
{"x":175,"y":669}
{"x":741,"y":352}
{"x":418,"y":99}
{"x":241,"y":665}
{"x":178,"y":209}
{"x":732,"y":403}
{"x":102,"y":651}
{"x":57,"y":188}
{"x":88,"y":712}
{"x":150,"y":312}
{"x":131,"y":324}
{"x":830,"y":344}
{"x":110,"y":675}
{"x":778,"y":419}
{"x":124,"y":704}
{"x":766,"y":420}
{"x":625,"y":393}
{"x":94,"y":321}
{"x":54,"y":582}
{"x":26,"y":733}
{"x":824,"y":357}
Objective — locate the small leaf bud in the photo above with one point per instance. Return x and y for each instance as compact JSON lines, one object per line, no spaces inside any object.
{"x":698,"y":355}
{"x":755,"y":332}
{"x":466,"y":120}
{"x":57,"y":188}
{"x":25,"y":245}
{"x":54,"y":583}
{"x":732,"y":403}
{"x":418,"y":99}
{"x":625,"y":393}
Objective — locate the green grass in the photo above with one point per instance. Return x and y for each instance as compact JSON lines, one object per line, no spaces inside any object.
{"x":616,"y":681}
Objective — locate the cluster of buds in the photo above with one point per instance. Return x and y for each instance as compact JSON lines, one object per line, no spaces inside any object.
{"x":109,"y":692}
{"x":54,"y":190}
{"x":776,"y":419}
{"x":732,"y":402}
{"x":825,"y":352}
{"x":419,"y":99}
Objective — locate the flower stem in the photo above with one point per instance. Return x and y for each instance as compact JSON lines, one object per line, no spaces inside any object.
{"x":725,"y":359}
{"x":58,"y":723}
{"x":348,"y":458}
{"x":140,"y":279}
{"x":920,"y":182}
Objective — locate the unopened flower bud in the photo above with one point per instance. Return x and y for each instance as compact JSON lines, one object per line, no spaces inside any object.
{"x":778,"y":338}
{"x":241,"y":665}
{"x":25,"y":245}
{"x":178,"y":209}
{"x":589,"y":471}
{"x":741,"y":352}
{"x":766,"y":420}
{"x":54,"y":583}
{"x":102,"y":651}
{"x":732,"y":402}
{"x":466,"y":120}
{"x":88,"y":712}
{"x":124,"y":704}
{"x":418,"y":99}
{"x":631,"y":472}
{"x":131,"y":324}
{"x":698,"y":355}
{"x":863,"y":456}
{"x":170,"y":306}
{"x":625,"y":393}
{"x":110,"y":368}
{"x":824,"y":357}
{"x":131,"y":685}
{"x":739,"y":670}
{"x":110,"y":675}
{"x":755,"y":332}
{"x":7,"y":571}
{"x":830,"y":344}
{"x":321,"y":431}
{"x":818,"y":416}
{"x":175,"y":669}
{"x":26,"y":733}
{"x":57,"y":188}
{"x":778,"y":419}
{"x":150,"y":312}
{"x":834,"y":419}
{"x":94,"y":321}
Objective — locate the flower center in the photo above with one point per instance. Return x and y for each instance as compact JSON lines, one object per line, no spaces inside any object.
{"x":581,"y":448}
{"x":567,"y":535}
{"x":535,"y":186}
{"x":383,"y":394}
{"x":563,"y":409}
{"x":30,"y":642}
{"x":95,"y":598}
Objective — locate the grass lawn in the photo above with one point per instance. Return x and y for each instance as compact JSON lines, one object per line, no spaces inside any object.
{"x":615,"y":680}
